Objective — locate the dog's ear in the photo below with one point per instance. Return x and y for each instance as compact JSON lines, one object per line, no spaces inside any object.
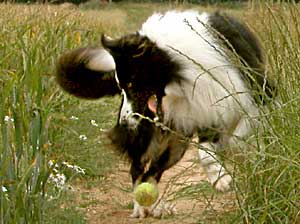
{"x":87,"y":73}
{"x":133,"y":45}
{"x":110,"y":43}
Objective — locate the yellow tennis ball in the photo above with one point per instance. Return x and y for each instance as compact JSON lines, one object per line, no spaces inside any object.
{"x":145,"y":194}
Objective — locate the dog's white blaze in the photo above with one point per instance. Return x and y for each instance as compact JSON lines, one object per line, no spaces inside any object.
{"x":126,"y":113}
{"x":101,"y":61}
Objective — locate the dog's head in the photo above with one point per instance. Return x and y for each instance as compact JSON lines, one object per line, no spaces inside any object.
{"x":132,"y":66}
{"x":142,"y":72}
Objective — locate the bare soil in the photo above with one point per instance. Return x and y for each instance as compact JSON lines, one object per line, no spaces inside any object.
{"x":111,"y":203}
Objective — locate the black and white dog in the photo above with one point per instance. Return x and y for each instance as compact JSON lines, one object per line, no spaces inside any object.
{"x":194,"y":73}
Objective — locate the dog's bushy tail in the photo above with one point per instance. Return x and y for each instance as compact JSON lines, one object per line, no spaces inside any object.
{"x":87,"y":73}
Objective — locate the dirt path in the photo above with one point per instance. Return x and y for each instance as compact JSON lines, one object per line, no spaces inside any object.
{"x":111,"y":203}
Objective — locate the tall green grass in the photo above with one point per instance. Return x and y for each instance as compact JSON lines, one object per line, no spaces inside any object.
{"x":268,"y":180}
{"x":27,"y":101}
{"x":32,"y":38}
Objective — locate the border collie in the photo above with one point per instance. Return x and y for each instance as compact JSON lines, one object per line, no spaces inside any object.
{"x":182,"y":74}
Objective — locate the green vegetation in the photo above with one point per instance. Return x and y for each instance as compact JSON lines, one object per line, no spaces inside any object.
{"x":267,"y":185}
{"x":33,"y":109}
{"x":41,"y":126}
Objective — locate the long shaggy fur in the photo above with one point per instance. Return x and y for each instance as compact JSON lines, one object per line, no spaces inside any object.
{"x":87,"y":73}
{"x":206,"y":72}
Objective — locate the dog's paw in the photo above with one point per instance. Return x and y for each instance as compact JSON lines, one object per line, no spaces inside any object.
{"x":216,"y":173}
{"x":139,"y":211}
{"x":223,"y":183}
{"x":157,"y":210}
{"x":218,"y":176}
{"x":162,"y":209}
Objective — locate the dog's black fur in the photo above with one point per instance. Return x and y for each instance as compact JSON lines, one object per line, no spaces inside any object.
{"x":237,"y":37}
{"x":93,"y":85}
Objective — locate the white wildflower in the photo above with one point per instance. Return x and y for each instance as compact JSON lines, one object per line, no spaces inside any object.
{"x":67,"y":165}
{"x":74,"y":118}
{"x":75,"y":168}
{"x":50,"y":163}
{"x":93,"y":122}
{"x":8,"y":119}
{"x":58,"y":179}
{"x":82,"y":137}
{"x":4,"y":189}
{"x":53,"y":164}
{"x":78,"y":169}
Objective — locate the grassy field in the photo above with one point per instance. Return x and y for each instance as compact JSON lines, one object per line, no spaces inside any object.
{"x":52,"y":144}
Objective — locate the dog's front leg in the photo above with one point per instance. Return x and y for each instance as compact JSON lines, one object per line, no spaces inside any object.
{"x":137,"y":171}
